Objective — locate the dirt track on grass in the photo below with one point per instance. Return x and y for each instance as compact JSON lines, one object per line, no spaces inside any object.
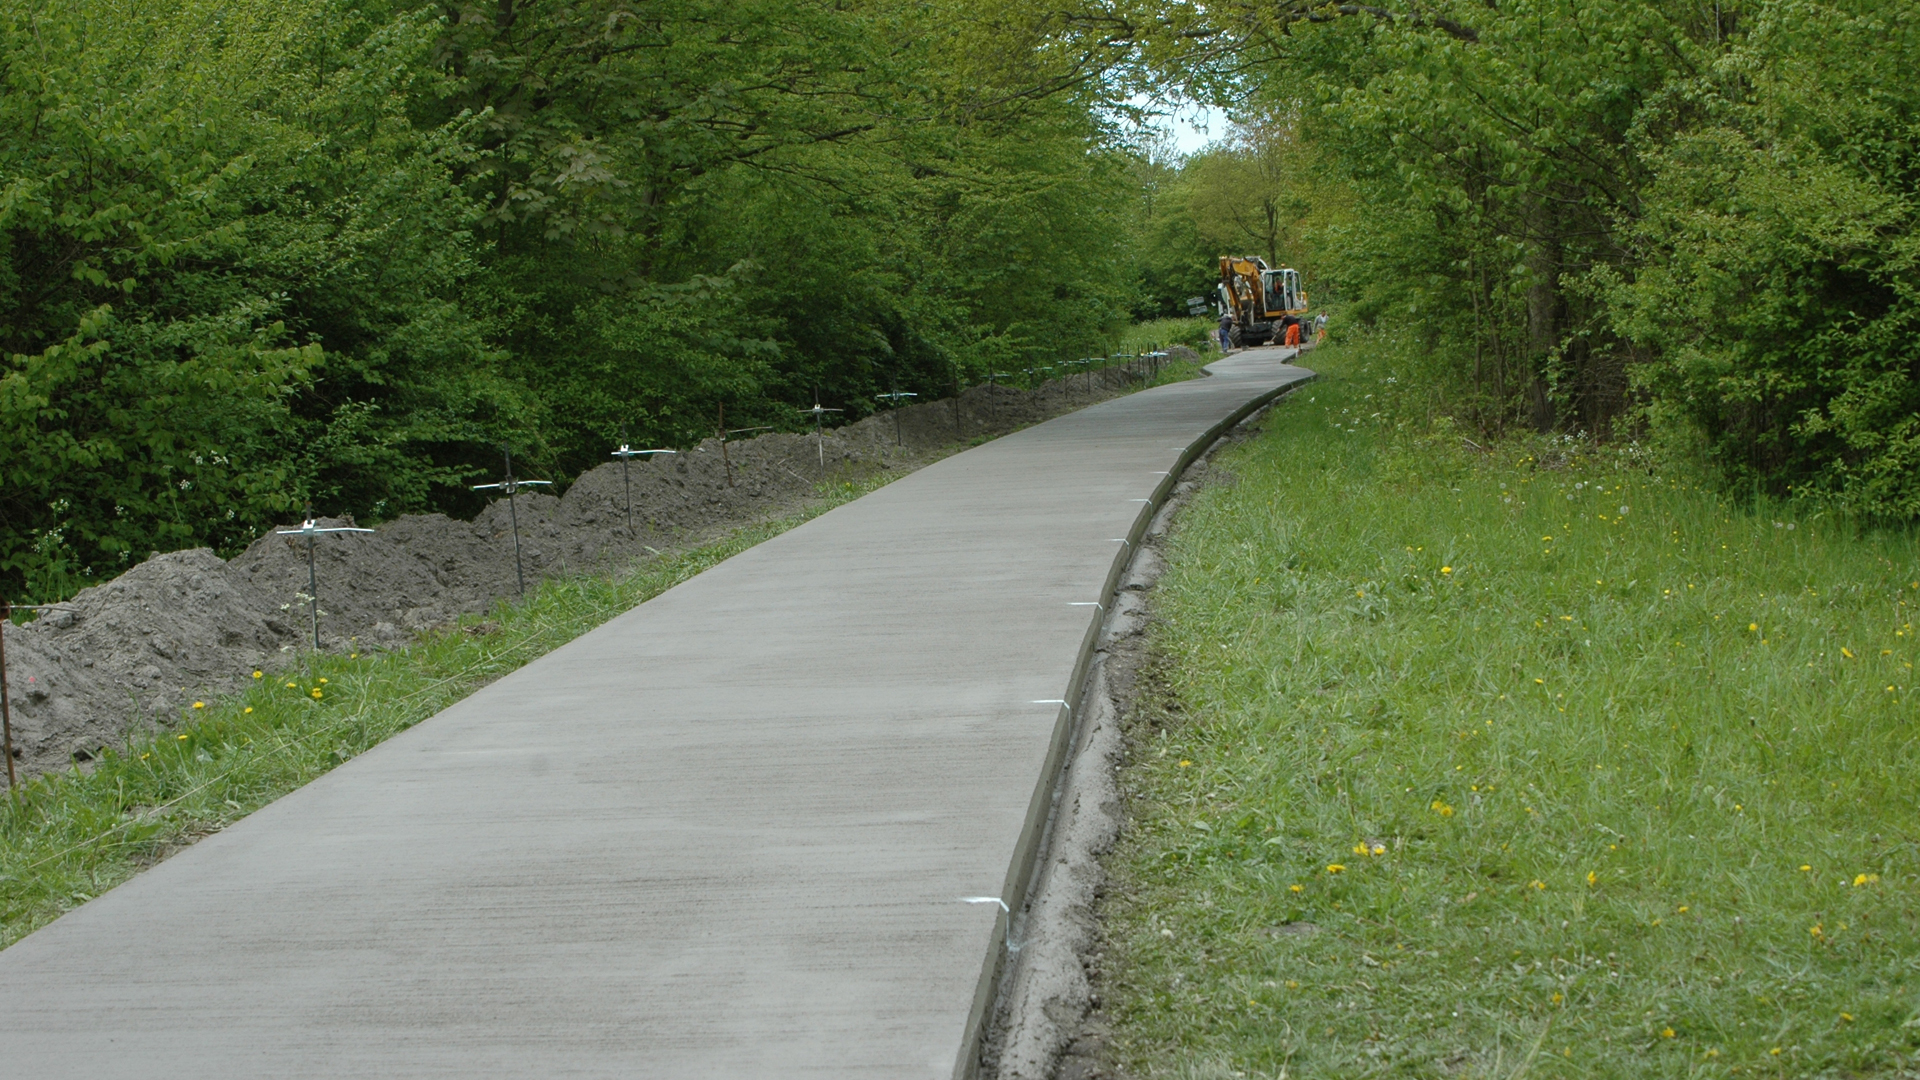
{"x":125,"y":658}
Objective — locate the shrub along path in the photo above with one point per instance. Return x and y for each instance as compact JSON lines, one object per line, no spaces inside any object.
{"x":754,"y":826}
{"x":1527,"y":761}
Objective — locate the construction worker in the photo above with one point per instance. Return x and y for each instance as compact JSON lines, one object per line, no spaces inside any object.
{"x":1293,"y":332}
{"x":1226,"y":331}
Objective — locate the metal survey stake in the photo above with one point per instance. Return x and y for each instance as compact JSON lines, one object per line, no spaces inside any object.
{"x":6,"y":710}
{"x":820,"y":432}
{"x":894,"y":400}
{"x":510,"y":485}
{"x":311,"y":529}
{"x":624,"y":453}
{"x":722,"y":430}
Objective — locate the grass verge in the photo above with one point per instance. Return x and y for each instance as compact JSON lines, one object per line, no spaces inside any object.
{"x":70,"y":836}
{"x":1529,"y":760}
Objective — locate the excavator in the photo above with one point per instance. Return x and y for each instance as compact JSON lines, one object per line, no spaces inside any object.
{"x":1258,"y":297}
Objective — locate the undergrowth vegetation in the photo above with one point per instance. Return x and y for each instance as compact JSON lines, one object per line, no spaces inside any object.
{"x":68,"y":837}
{"x":1194,"y":333}
{"x":1532,"y":758}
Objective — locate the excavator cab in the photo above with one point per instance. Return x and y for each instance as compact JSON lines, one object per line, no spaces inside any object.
{"x":1283,"y":293}
{"x":1259,"y":297}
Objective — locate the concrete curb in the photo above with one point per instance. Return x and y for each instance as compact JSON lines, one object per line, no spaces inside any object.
{"x":1030,"y":847}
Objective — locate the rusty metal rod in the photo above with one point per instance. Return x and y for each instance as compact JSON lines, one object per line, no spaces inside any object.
{"x":6,"y":710}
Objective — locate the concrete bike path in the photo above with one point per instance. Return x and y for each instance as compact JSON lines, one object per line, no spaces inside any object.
{"x":730,"y":833}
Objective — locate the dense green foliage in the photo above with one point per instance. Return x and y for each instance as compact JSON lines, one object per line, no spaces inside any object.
{"x":253,"y":254}
{"x":1648,"y":218}
{"x":344,"y":251}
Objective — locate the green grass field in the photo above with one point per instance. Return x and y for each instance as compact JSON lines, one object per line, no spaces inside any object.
{"x":1524,"y":761}
{"x":70,"y":836}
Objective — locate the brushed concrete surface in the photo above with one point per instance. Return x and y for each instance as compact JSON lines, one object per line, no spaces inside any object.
{"x":727,"y":834}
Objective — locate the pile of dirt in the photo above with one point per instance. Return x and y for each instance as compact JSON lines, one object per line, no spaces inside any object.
{"x":123,"y":658}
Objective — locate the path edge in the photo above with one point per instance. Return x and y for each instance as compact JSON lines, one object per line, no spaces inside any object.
{"x":1028,"y":848}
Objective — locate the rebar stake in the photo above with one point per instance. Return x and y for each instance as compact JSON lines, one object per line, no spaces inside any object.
{"x":894,"y":400}
{"x":625,"y":452}
{"x":311,"y":529}
{"x":6,"y":710}
{"x":510,"y":485}
{"x":722,"y":430}
{"x":820,"y":432}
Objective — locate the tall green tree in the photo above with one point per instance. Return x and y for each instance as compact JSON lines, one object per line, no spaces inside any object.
{"x":1776,"y":274}
{"x":343,"y":251}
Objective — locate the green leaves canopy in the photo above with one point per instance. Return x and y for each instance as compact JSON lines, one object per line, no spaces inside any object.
{"x":253,"y":255}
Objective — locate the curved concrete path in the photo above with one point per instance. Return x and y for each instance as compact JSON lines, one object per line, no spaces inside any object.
{"x":727,"y":834}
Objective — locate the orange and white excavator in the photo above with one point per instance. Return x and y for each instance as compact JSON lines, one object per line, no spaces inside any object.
{"x":1259,"y":298}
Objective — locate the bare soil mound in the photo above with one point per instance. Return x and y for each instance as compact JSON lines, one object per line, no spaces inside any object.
{"x":125,"y":657}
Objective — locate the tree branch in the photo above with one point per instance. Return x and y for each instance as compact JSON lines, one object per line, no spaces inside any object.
{"x":1328,"y":13}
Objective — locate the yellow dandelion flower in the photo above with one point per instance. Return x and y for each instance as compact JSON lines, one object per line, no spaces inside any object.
{"x":1846,"y":652}
{"x":199,"y":704}
{"x":1775,"y":1051}
{"x":1296,"y":888}
{"x":256,"y":674}
{"x":353,"y":656}
{"x":144,"y":757}
{"x":1684,"y":909}
{"x":1666,"y":1033}
{"x":323,"y":682}
{"x":1753,"y":626}
{"x":1292,"y":985}
{"x":1848,"y":1017}
{"x":1441,"y":808}
{"x":1558,"y":997}
{"x":1864,"y":879}
{"x":1804,"y":868}
{"x":290,"y":686}
{"x":1592,"y":878}
{"x":182,"y":738}
{"x":1538,"y":884}
{"x":248,"y":709}
{"x":1816,"y":931}
{"x":1335,"y":868}
{"x":316,"y":693}
{"x":1381,"y":849}
{"x":1446,"y":569}
{"x":1184,"y":763}
{"x":1360,"y":848}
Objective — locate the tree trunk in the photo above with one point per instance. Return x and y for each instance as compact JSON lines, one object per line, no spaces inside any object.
{"x":1543,"y":320}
